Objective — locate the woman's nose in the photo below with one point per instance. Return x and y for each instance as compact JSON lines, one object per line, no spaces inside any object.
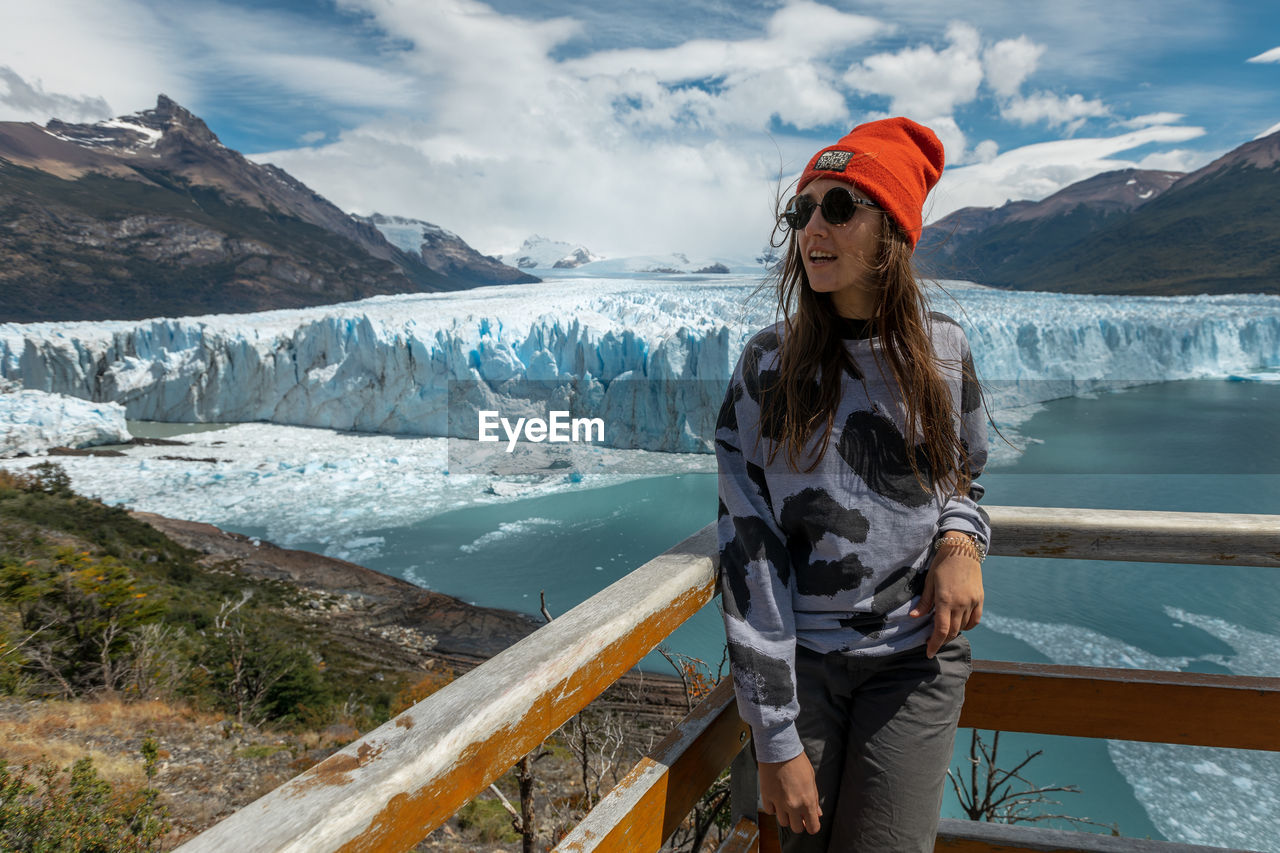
{"x":816,"y":224}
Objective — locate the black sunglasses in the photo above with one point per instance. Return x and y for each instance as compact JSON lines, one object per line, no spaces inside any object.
{"x":838,"y":207}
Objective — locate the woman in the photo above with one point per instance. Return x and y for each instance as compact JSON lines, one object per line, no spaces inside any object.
{"x":850,"y":557}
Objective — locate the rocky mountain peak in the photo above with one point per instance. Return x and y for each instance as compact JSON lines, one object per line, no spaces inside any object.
{"x":150,"y":129}
{"x":168,"y":116}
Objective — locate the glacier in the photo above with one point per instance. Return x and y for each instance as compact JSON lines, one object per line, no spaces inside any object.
{"x":31,"y":422}
{"x":650,"y":356}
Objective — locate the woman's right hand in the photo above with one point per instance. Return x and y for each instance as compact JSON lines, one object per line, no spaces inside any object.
{"x":788,"y":791}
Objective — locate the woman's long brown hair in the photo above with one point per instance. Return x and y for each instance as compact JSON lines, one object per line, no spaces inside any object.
{"x":813,"y":354}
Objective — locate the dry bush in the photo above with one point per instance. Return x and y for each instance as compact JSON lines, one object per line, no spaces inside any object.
{"x":421,"y":689}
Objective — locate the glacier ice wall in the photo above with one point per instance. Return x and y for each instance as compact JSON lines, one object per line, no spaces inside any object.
{"x":650,"y":357}
{"x":31,"y":422}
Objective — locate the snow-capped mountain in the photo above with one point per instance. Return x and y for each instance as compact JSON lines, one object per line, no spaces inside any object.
{"x":443,"y":251}
{"x":541,"y":253}
{"x":1002,"y":245}
{"x":1131,"y":231}
{"x":151,"y":215}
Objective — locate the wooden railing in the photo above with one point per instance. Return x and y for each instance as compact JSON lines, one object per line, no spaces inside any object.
{"x":392,"y":787}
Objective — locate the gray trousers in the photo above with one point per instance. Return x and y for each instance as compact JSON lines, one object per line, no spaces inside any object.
{"x":879,"y":733}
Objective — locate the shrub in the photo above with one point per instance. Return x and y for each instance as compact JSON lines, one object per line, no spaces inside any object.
{"x":421,"y":689}
{"x":45,"y":808}
{"x":487,"y":821}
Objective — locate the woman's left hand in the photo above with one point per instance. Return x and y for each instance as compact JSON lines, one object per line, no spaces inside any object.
{"x":953,"y":590}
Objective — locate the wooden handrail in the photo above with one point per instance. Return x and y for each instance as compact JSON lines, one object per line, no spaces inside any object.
{"x":643,"y":809}
{"x":1205,"y":709}
{"x":389,"y":789}
{"x":1206,"y":538}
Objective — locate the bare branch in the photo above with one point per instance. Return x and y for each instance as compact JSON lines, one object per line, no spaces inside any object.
{"x":506,"y":804}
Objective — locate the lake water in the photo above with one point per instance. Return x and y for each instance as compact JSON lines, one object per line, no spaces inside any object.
{"x":1190,"y":446}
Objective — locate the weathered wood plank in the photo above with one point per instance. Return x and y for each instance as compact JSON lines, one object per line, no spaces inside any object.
{"x":769,"y":834}
{"x":1208,"y":709}
{"x":642,"y":811}
{"x":967,"y":836}
{"x":745,"y":838}
{"x":393,"y":786}
{"x":1209,"y":538}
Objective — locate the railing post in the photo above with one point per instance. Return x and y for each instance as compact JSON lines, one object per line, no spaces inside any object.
{"x":744,"y":786}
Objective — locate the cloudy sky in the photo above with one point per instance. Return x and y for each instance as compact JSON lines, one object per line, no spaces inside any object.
{"x":637,"y":127}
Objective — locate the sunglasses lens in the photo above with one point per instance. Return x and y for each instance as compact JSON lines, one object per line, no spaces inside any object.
{"x":838,"y":206}
{"x":799,"y":209}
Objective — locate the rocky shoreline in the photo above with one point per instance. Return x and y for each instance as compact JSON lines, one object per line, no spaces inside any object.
{"x":385,"y":613}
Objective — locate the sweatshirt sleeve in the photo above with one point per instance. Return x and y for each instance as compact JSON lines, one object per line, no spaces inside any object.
{"x":754,"y":576}
{"x":961,"y":511}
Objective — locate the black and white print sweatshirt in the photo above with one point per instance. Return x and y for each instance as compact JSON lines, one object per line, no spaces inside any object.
{"x":833,"y":559}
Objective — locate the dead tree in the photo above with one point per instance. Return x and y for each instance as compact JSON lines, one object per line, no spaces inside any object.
{"x":997,"y":795}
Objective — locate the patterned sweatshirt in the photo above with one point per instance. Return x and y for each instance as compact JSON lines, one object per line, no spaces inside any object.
{"x":833,"y":559}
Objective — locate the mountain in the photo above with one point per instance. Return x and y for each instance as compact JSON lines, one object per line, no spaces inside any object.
{"x":1005,"y":246}
{"x":538,"y":252}
{"x":151,"y":215}
{"x":1214,"y":230}
{"x":445,"y":252}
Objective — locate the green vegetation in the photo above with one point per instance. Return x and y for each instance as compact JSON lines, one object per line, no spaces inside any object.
{"x":47,"y":808}
{"x":94,"y":602}
{"x":487,"y":821}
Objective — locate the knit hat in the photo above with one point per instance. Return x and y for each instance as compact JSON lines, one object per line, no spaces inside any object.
{"x":895,"y":161}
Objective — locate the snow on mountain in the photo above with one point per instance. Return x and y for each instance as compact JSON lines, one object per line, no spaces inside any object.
{"x":443,"y":251}
{"x":406,"y":234}
{"x":31,"y":422}
{"x":650,"y":356}
{"x":543,"y":254}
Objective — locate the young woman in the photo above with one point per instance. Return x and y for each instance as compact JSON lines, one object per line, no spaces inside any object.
{"x":851,"y":542}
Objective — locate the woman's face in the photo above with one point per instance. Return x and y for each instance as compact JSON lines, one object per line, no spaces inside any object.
{"x":839,"y":259}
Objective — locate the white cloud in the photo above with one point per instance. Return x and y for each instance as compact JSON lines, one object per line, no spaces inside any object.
{"x":1035,"y":171}
{"x":618,"y":149}
{"x":1152,"y":118}
{"x":75,"y":55}
{"x":465,"y":116}
{"x":1008,"y":63}
{"x":21,"y":99}
{"x":1068,"y":112}
{"x":1178,"y":160}
{"x":922,"y":81}
{"x":800,"y":32}
{"x":1272,"y":55}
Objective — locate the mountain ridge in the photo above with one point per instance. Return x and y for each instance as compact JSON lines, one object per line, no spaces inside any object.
{"x":1135,"y":232}
{"x":151,"y":215}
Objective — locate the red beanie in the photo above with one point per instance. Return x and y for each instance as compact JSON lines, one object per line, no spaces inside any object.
{"x":895,"y":161}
